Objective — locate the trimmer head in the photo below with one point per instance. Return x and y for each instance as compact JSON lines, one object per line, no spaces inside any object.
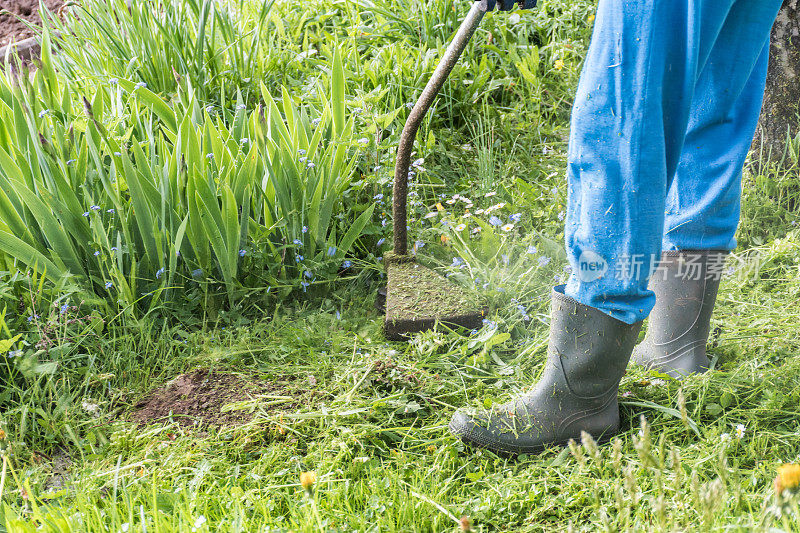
{"x":417,"y":298}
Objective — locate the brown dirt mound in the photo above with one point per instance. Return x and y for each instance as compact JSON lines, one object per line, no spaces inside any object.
{"x":197,"y":398}
{"x":11,"y":28}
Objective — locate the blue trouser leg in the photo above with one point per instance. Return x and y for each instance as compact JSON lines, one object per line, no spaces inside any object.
{"x":653,"y":80}
{"x":702,"y":210}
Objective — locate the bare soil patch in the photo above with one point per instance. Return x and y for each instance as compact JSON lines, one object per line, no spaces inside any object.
{"x":12,"y":29}
{"x":197,"y":399}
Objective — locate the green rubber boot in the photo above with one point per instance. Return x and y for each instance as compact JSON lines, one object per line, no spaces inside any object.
{"x":586,"y":358}
{"x":686,"y":284}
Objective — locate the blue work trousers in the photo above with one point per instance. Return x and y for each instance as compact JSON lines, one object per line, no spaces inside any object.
{"x":665,"y":112}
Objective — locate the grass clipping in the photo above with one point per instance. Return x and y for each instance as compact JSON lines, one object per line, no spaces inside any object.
{"x":417,"y":298}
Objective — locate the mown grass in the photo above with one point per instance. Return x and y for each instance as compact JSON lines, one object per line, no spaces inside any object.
{"x":697,"y":455}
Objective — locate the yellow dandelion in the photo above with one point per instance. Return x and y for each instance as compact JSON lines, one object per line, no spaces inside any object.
{"x":307,"y":480}
{"x":2,"y":435}
{"x":788,"y":478}
{"x":590,"y":18}
{"x":439,"y":207}
{"x":559,"y":64}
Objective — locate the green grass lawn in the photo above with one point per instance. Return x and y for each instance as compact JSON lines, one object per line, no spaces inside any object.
{"x":321,"y":390}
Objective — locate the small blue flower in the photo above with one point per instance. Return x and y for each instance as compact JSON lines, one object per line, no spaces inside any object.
{"x":43,"y":112}
{"x":380,"y":242}
{"x":378,"y":196}
{"x":298,"y":242}
{"x":301,"y":151}
{"x":32,"y":318}
{"x":419,"y":245}
{"x":209,"y":156}
{"x":331,"y":251}
{"x":113,"y":81}
{"x":305,"y":285}
{"x":241,"y":106}
{"x":242,"y":253}
{"x":303,"y":159}
{"x":110,"y":211}
{"x":315,"y":122}
{"x":299,"y":258}
{"x":118,"y":154}
{"x":531,"y":250}
{"x":244,"y":140}
{"x":71,"y":162}
{"x":140,"y":85}
{"x":86,"y":213}
{"x":113,"y":248}
{"x":495,"y":221}
{"x":363,"y":141}
{"x":160,"y":272}
{"x":64,"y":308}
{"x":347,"y":264}
{"x":305,"y":229}
{"x":308,"y":274}
{"x":504,"y":257}
{"x":197,"y":273}
{"x":544,"y":261}
{"x":561,"y":215}
{"x":95,"y":208}
{"x":14,"y":353}
{"x":310,"y":165}
{"x":109,"y":285}
{"x":515,"y":217}
{"x":96,"y":253}
{"x":458,"y":262}
{"x":418,"y":163}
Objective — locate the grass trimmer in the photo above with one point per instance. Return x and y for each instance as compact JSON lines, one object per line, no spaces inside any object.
{"x":417,"y":297}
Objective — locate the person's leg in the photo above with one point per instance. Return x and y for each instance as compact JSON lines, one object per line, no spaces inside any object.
{"x":628,"y":125}
{"x":702,"y":208}
{"x":703,"y":199}
{"x":629,"y":119}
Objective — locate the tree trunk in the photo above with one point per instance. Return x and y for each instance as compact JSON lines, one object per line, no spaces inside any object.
{"x":779,"y":115}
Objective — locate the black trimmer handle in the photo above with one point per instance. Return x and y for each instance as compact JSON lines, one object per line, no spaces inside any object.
{"x":443,"y":69}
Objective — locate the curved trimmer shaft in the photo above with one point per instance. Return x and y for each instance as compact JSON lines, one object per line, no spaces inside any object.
{"x":403,"y":161}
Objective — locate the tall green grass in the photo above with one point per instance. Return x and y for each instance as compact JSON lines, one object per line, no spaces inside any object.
{"x":137,"y":199}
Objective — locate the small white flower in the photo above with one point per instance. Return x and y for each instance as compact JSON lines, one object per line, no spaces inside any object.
{"x":508,"y":227}
{"x":658,"y":382}
{"x":363,"y":141}
{"x":489,"y":194}
{"x":198,"y":523}
{"x":740,"y":429}
{"x":431,"y":214}
{"x":725,"y":437}
{"x":89,"y":406}
{"x":125,"y":527}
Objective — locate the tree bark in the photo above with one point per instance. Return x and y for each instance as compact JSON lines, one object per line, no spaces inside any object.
{"x":779,"y":114}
